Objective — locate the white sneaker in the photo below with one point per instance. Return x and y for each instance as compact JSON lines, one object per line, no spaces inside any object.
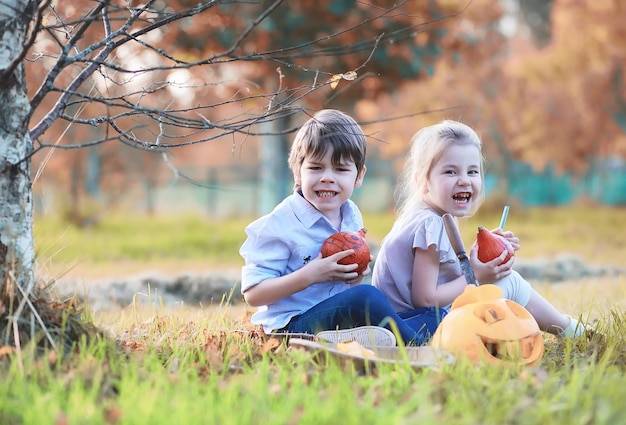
{"x":368,"y":336}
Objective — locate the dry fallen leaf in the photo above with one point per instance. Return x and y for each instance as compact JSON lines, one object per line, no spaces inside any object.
{"x":270,"y":344}
{"x":355,"y":349}
{"x":6,"y":349}
{"x":61,"y":419}
{"x":113,"y":415}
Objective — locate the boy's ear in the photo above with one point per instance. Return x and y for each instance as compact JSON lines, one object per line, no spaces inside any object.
{"x":359,"y":179}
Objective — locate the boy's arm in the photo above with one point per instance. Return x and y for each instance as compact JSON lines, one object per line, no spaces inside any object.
{"x":318,"y":270}
{"x":273,"y":289}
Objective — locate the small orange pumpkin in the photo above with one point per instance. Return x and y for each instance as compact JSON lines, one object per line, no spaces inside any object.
{"x":342,"y":241}
{"x":484,"y":327}
{"x":491,"y":246}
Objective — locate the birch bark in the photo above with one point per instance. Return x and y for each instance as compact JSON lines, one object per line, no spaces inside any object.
{"x":16,"y":219}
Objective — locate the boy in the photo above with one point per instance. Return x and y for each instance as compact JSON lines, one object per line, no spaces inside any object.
{"x":285,"y":276}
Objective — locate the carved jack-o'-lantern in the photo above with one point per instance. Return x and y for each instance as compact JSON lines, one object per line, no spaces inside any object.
{"x":484,"y":327}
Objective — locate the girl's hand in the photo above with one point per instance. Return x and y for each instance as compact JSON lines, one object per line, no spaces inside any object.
{"x":491,"y":271}
{"x":509,"y":236}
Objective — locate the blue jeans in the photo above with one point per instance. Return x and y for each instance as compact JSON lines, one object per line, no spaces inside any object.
{"x":364,"y":305}
{"x":425,"y":319}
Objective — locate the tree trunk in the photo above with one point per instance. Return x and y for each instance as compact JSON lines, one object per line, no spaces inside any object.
{"x":16,"y":215}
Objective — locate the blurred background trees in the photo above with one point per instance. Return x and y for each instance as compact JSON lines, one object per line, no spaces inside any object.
{"x":542,"y":81}
{"x":101,"y":99}
{"x":104,"y":99}
{"x":162,"y":106}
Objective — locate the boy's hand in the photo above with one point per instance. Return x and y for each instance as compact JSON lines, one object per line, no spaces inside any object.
{"x":328,"y":269}
{"x":360,"y":277}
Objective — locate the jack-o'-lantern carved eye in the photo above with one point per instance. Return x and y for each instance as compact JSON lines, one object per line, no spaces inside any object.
{"x":495,"y":330}
{"x":490,"y":313}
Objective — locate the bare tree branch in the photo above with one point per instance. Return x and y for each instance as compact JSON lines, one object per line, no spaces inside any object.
{"x":132,"y":109}
{"x":47,"y":121}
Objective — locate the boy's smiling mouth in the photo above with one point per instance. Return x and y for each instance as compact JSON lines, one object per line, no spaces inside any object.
{"x":325,"y":194}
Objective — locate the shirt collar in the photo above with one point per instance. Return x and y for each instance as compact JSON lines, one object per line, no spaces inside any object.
{"x":308,"y":215}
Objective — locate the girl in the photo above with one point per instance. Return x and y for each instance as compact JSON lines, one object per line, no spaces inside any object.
{"x":416,"y":266}
{"x":285,"y":276}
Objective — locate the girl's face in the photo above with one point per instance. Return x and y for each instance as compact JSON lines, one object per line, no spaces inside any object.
{"x":326,"y":185}
{"x":455,"y":180}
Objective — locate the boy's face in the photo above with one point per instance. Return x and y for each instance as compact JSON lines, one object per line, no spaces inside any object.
{"x":326,"y":185}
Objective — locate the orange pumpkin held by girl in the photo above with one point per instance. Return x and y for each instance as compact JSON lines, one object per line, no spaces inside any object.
{"x":491,"y":246}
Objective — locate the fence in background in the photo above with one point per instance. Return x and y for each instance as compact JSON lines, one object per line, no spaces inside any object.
{"x":229,"y":191}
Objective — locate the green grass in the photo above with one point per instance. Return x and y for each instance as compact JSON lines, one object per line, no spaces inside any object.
{"x":140,"y":238}
{"x":592,"y":233}
{"x":210,"y":365}
{"x":187,"y":373}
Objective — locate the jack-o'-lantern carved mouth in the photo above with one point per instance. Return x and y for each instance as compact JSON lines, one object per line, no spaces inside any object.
{"x":484,"y":327}
{"x":524,"y":349}
{"x":510,"y":333}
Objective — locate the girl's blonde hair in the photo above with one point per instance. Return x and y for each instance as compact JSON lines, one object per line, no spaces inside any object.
{"x":427,"y":147}
{"x":329,"y":128}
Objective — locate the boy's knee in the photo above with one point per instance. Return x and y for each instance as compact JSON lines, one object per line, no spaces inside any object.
{"x":367,"y":291}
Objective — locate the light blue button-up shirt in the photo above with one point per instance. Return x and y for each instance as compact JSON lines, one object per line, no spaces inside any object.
{"x":284,"y":241}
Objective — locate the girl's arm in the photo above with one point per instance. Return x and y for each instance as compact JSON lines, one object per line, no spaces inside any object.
{"x":318,"y":270}
{"x":424,"y":289}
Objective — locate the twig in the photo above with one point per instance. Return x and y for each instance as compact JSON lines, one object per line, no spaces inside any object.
{"x":34,"y":310}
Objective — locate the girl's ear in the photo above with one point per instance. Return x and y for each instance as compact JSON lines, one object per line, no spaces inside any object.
{"x":359,"y":179}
